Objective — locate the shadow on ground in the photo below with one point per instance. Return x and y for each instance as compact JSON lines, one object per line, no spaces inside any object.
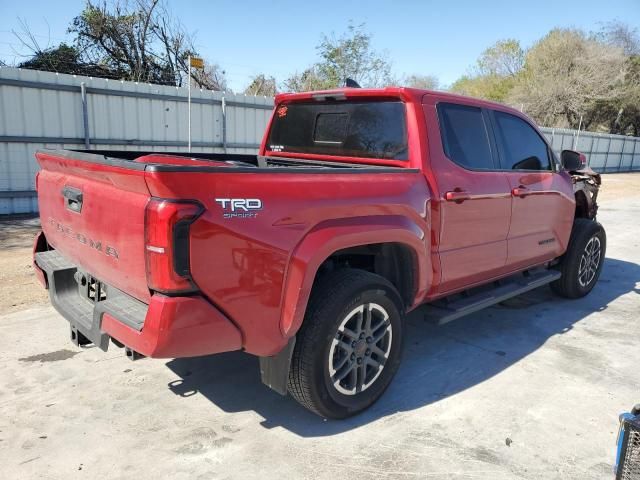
{"x":438,"y":361}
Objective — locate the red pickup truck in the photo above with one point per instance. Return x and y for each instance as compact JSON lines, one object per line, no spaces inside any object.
{"x":361,"y":205}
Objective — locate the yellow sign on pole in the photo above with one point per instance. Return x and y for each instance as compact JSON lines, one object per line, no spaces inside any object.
{"x":197,"y":62}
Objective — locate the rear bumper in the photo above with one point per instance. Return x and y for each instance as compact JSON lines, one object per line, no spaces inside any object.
{"x":168,"y":327}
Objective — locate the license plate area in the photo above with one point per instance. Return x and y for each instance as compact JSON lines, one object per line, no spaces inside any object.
{"x":90,"y":288}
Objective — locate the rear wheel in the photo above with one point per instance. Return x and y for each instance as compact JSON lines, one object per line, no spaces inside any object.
{"x":348,"y":348}
{"x":582,"y":263}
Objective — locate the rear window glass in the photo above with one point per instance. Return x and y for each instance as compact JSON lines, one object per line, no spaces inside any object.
{"x":350,"y":129}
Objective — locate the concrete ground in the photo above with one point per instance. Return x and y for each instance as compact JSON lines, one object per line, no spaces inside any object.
{"x":530,"y":389}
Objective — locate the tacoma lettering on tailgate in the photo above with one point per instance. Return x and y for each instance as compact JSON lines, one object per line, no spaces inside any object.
{"x":83,"y":239}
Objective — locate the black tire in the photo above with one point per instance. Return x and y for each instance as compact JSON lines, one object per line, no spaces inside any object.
{"x":573,"y":283}
{"x":320,"y":348}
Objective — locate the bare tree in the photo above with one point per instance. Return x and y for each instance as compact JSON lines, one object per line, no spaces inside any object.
{"x":177,"y":45}
{"x":141,"y":41}
{"x":62,"y":58}
{"x":427,"y":82}
{"x":621,"y":35}
{"x":568,"y":75}
{"x":27,"y":38}
{"x":262,"y":85}
{"x":505,"y":58}
{"x":120,"y":35}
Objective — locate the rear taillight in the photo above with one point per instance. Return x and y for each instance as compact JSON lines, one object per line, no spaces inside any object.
{"x":167,"y":225}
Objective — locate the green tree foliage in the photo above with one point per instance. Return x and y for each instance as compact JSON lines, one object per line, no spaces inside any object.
{"x":505,"y":58}
{"x":495,"y":72}
{"x":490,"y":87}
{"x":307,"y":80}
{"x":347,"y":56}
{"x":67,"y":59}
{"x":565,"y":78}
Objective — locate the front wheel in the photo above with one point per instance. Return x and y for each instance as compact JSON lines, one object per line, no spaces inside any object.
{"x":349,"y":346}
{"x":582,"y":262}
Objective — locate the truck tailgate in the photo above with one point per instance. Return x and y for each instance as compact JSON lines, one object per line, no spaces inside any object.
{"x":93,"y":213}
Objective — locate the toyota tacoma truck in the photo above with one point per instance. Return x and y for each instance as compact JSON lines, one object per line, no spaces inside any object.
{"x":361,"y":206}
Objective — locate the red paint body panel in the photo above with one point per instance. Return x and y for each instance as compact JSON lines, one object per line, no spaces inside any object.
{"x":242,"y":265}
{"x":254,"y":275}
{"x":112,"y":216}
{"x":178,"y":327}
{"x":541,"y":219}
{"x":472,"y":234}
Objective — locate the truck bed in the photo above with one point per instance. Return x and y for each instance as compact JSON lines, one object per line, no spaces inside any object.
{"x":241,"y":261}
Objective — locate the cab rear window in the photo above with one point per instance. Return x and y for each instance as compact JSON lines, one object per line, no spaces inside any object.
{"x":348,"y":129}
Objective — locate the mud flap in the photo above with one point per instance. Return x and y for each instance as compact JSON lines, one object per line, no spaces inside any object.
{"x":274,"y":371}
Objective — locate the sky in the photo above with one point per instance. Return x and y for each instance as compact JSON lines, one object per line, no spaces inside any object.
{"x":278,"y":37}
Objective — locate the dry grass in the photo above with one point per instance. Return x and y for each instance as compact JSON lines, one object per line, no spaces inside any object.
{"x":618,"y":185}
{"x":19,"y":288}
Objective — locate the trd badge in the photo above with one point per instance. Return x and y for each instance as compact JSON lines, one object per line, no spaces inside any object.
{"x":240,"y":207}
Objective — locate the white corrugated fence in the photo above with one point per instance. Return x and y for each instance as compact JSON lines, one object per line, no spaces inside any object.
{"x":48,"y":110}
{"x":605,"y":152}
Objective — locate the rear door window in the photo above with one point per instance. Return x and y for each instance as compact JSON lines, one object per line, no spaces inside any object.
{"x":521,"y":148}
{"x":348,"y":129}
{"x":465,"y":137}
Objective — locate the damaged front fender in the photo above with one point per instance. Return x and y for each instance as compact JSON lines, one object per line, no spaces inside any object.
{"x":586,"y":185}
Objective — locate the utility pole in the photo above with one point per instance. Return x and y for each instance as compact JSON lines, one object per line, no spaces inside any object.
{"x":575,"y":139}
{"x":189,"y":101}
{"x":194,"y":62}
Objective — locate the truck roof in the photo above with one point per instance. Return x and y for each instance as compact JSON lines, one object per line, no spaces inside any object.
{"x":406,"y":93}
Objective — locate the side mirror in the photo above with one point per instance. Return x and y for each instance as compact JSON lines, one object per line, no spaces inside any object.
{"x":572,"y":160}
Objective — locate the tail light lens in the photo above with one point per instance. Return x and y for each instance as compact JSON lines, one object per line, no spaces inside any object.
{"x":167,"y":225}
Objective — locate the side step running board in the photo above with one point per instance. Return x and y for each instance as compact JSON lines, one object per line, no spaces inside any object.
{"x":443,"y":311}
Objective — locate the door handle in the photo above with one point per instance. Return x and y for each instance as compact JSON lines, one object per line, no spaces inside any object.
{"x":457,"y":196}
{"x":73,"y":198}
{"x":520,"y":191}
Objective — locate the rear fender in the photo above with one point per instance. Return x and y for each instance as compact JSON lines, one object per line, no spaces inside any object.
{"x":329,"y":237}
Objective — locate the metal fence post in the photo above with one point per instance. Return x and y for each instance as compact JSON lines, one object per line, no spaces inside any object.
{"x":85,"y":115}
{"x":606,"y":158}
{"x":624,"y":142}
{"x":633,"y":155}
{"x":577,"y":135}
{"x":590,"y":154}
{"x":224,"y":124}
